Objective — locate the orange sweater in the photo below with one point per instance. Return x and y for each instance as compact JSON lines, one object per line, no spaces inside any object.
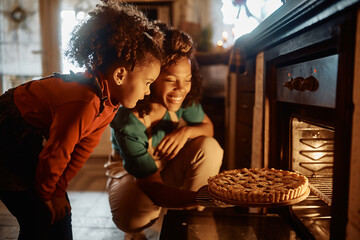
{"x":68,"y":113}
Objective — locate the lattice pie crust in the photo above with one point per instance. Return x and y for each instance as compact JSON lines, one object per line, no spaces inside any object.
{"x":258,"y":185}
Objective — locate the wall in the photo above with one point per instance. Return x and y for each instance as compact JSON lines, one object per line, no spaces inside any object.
{"x":353,"y":226}
{"x":201,"y":13}
{"x":206,"y":13}
{"x":104,"y":147}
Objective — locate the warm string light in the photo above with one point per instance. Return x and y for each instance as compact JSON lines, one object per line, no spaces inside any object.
{"x":223,"y":43}
{"x":225,"y":36}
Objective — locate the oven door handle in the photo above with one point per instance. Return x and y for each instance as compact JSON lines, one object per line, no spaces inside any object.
{"x":301,"y":84}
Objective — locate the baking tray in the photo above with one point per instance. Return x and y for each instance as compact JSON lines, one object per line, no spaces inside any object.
{"x":262,"y":204}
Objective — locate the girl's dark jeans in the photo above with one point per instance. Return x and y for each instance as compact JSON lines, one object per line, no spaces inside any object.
{"x":33,"y":217}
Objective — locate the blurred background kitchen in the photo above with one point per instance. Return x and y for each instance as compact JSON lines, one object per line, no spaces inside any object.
{"x":34,"y":34}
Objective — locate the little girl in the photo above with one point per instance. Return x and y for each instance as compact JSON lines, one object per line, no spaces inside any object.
{"x":49,"y":127}
{"x":164,"y":149}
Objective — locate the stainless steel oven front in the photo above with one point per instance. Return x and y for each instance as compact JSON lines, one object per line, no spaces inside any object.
{"x":305,"y":89}
{"x":310,"y":123}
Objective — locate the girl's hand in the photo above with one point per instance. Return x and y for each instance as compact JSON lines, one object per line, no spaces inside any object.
{"x":61,"y":207}
{"x":58,"y":208}
{"x":50,"y":206}
{"x":172,"y":143}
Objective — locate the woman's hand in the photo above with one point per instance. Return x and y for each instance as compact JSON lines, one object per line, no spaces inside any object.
{"x":58,"y":207}
{"x":204,"y":198}
{"x":172,"y":143}
{"x":163,"y":195}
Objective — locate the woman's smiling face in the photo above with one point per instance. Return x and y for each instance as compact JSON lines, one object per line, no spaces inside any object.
{"x":173,"y":84}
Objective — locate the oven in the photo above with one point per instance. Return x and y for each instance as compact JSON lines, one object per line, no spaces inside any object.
{"x":302,"y":135}
{"x":308,"y":92}
{"x":304,"y":61}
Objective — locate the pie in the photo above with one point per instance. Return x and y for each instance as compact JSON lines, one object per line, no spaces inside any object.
{"x":258,"y":185}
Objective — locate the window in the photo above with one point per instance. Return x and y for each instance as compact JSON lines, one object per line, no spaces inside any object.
{"x":69,"y":19}
{"x":20,"y":43}
{"x":246,"y":15}
{"x":72,"y":13}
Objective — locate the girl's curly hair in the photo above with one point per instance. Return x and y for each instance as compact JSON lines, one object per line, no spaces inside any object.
{"x":177,"y":44}
{"x":115,"y":32}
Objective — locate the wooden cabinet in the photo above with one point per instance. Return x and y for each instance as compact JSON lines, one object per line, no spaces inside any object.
{"x":239,"y":113}
{"x":244,"y":116}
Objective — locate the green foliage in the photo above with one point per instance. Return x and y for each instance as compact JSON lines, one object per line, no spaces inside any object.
{"x":204,"y":43}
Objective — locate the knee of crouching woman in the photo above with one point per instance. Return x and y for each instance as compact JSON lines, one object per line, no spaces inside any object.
{"x":210,"y":148}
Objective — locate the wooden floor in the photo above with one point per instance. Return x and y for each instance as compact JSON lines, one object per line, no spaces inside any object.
{"x":91,"y":216}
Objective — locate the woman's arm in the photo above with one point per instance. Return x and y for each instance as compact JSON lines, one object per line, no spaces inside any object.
{"x":166,"y":196}
{"x":173,"y":142}
{"x":205,"y":128}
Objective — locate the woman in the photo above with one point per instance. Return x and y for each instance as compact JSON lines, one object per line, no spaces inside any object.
{"x":163,"y":149}
{"x":50,"y":126}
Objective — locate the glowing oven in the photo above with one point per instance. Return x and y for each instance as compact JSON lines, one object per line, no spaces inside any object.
{"x":308,"y":114}
{"x":306,"y":99}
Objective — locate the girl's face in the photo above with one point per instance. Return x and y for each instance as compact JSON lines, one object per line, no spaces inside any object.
{"x":136,"y":84}
{"x":173,"y":84}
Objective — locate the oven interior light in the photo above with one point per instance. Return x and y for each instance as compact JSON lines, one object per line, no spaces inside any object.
{"x":317,"y":167}
{"x":316,"y":155}
{"x":318,"y":143}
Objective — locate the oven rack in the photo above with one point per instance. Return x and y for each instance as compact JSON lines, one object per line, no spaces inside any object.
{"x":322,"y":187}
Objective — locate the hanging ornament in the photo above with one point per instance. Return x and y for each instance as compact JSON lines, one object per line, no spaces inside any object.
{"x":18,"y":17}
{"x":18,"y":14}
{"x":242,"y":3}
